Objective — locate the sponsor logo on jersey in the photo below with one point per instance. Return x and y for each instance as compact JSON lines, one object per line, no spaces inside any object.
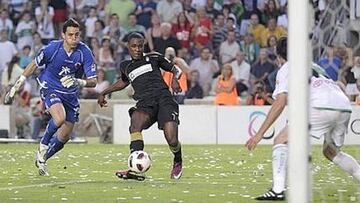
{"x":139,"y":71}
{"x":64,"y":70}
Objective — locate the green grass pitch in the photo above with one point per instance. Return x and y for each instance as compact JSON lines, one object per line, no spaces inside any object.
{"x":212,"y":173}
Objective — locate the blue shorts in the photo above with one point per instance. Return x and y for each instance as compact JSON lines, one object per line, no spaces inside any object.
{"x":69,"y":101}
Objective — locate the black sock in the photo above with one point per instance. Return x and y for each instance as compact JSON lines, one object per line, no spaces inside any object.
{"x":177,"y":156}
{"x":136,"y":145}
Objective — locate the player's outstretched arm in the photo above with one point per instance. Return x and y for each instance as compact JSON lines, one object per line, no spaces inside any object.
{"x":29,"y":70}
{"x":276,"y":109}
{"x":119,"y":85}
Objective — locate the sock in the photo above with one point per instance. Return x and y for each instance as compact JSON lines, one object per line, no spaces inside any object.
{"x":49,"y":132}
{"x":137,"y":142}
{"x":279,"y":161}
{"x":177,"y":152}
{"x":54,"y":146}
{"x":347,"y":163}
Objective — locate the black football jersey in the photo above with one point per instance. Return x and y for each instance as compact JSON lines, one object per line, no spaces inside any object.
{"x":145,"y":75}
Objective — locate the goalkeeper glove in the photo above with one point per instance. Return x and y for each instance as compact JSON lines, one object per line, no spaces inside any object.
{"x":9,"y":97}
{"x":68,"y":81}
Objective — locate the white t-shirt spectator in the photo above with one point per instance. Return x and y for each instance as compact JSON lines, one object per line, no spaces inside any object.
{"x":46,"y":27}
{"x":6,"y":24}
{"x":5,"y":56}
{"x":228,"y":51}
{"x":24,"y":33}
{"x":241,"y":72}
{"x":167,"y":10}
{"x":90,"y":26}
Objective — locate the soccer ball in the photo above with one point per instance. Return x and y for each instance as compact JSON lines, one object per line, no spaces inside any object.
{"x":139,"y":161}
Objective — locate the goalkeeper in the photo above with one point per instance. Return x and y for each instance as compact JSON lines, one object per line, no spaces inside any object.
{"x":63,"y":63}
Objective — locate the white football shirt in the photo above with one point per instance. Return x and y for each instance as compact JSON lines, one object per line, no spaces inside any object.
{"x":281,"y":85}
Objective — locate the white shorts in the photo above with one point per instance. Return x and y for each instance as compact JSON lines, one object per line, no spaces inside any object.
{"x":351,"y":89}
{"x":332,"y":125}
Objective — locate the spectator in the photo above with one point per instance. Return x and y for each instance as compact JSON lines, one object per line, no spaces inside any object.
{"x":188,"y":7}
{"x":231,"y":26}
{"x":282,"y":20}
{"x":203,"y":29}
{"x":6,"y":23}
{"x":271,"y":48}
{"x":166,"y":40}
{"x":168,"y":10}
{"x":194,"y":89}
{"x":90,"y":24}
{"x":331,"y":63}
{"x":11,"y":73}
{"x":250,"y":48}
{"x":60,"y":15}
{"x":154,"y":32}
{"x":132,"y":25}
{"x":36,"y":45}
{"x":168,"y":77}
{"x":211,"y":12}
{"x":207,"y":68}
{"x":92,"y":93}
{"x":99,"y":30}
{"x":11,"y":51}
{"x":22,"y":112}
{"x":219,"y":32}
{"x":270,"y":11}
{"x":256,"y":28}
{"x":143,"y":11}
{"x":182,"y":29}
{"x":261,"y":70}
{"x":123,"y":9}
{"x":95,"y":48}
{"x":225,"y":89}
{"x":115,"y":30}
{"x":106,"y":59}
{"x":24,"y":31}
{"x":44,"y":19}
{"x":229,"y":48}
{"x":25,"y":57}
{"x":259,"y":96}
{"x":39,"y":119}
{"x":241,"y":72}
{"x":272,"y":29}
{"x":349,"y":76}
{"x":18,"y":7}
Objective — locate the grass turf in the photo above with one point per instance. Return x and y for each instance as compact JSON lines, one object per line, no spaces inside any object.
{"x":212,"y":173}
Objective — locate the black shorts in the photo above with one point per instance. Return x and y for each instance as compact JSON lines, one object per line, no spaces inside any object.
{"x":162,"y":110}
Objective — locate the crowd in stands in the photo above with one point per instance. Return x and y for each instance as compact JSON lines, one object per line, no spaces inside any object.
{"x":225,"y":48}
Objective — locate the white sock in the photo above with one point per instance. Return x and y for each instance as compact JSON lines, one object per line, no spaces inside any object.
{"x":347,"y":163}
{"x":279,"y":163}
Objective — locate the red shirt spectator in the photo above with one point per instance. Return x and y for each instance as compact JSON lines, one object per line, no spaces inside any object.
{"x":182,"y":29}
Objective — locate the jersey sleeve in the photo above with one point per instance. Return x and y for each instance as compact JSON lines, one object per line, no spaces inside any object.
{"x":89,"y":64}
{"x":122,"y":72}
{"x":43,"y":56}
{"x":281,"y":85}
{"x":165,"y":64}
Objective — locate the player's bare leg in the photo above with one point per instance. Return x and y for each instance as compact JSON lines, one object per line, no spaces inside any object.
{"x":58,"y":114}
{"x":139,"y":120}
{"x":171,"y":136}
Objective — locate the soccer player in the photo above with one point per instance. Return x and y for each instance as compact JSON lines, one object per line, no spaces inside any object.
{"x":330,"y":111}
{"x":154,"y":100}
{"x":63,"y":63}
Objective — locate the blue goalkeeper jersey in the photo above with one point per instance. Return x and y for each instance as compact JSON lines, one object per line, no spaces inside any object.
{"x":56,"y":63}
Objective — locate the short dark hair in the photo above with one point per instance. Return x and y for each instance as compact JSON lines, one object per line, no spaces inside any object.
{"x":134,"y":35}
{"x":71,"y":22}
{"x":281,"y":47}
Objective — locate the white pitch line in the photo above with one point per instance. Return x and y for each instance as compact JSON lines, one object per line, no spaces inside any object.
{"x":44,"y":185}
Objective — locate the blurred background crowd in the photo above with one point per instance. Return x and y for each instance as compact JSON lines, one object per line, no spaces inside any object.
{"x":226,"y":48}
